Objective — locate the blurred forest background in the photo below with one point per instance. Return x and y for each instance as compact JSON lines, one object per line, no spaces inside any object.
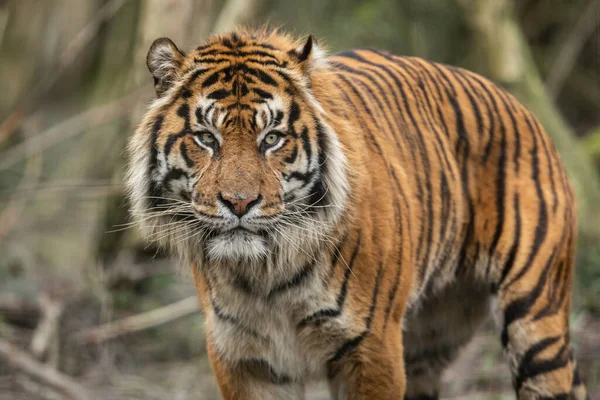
{"x":90,"y":311}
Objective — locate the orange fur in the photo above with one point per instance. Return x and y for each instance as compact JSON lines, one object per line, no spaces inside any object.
{"x":400,"y":197}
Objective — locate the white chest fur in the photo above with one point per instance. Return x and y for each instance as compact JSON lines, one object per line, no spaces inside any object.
{"x":268,"y":327}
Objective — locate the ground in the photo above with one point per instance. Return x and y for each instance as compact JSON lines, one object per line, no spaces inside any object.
{"x":169,"y":361}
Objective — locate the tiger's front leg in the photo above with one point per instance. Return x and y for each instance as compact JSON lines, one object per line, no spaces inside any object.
{"x":369,"y":368}
{"x":252,"y":379}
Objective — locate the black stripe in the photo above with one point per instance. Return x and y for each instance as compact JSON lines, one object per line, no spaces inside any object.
{"x":530,"y":368}
{"x":517,"y":135}
{"x":262,"y":93}
{"x":261,"y":75}
{"x":500,"y":179}
{"x":241,"y":283}
{"x":440,"y":119}
{"x":548,"y":158}
{"x":230,"y":318}
{"x":485,"y":97}
{"x":319,"y":193}
{"x":292,"y":157}
{"x":394,"y":288}
{"x":364,"y":127}
{"x":353,"y":343}
{"x":555,"y":300}
{"x":341,"y":297}
{"x":219,"y":94}
{"x":306,"y":145}
{"x":156,"y":126}
{"x":236,"y":322}
{"x":184,"y":112}
{"x":293,"y":116}
{"x":541,"y":228}
{"x":212,"y":79}
{"x":369,"y":319}
{"x":183,"y":150}
{"x":336,"y":254}
{"x":400,"y":85}
{"x":512,"y":253}
{"x":262,"y":370}
{"x":174,"y":174}
{"x":195,"y":75}
{"x":301,"y":176}
{"x":296,"y":280}
{"x":423,"y":260}
{"x":154,"y":192}
{"x":346,"y":347}
{"x":465,"y":83}
{"x":264,"y":46}
{"x":463,"y":143}
{"x":521,"y":306}
{"x":367,"y":89}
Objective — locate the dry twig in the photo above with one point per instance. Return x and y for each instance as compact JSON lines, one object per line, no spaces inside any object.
{"x":22,"y":361}
{"x":139,"y":322}
{"x":45,"y":336}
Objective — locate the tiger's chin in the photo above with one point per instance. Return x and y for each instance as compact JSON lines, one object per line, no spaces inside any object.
{"x":237,"y":245}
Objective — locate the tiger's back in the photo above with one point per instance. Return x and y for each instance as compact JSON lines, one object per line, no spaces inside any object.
{"x":352,"y":217}
{"x":493,"y":214}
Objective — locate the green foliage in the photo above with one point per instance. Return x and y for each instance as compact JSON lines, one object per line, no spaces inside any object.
{"x":587,"y":276}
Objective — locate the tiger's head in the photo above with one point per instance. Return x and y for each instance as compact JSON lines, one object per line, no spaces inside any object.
{"x":234,"y":160}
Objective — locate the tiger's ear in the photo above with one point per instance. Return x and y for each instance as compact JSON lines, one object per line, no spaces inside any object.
{"x":308,"y":55}
{"x":164,"y":61}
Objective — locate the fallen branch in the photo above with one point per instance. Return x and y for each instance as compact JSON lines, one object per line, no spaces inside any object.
{"x":139,"y":322}
{"x":46,"y":334}
{"x":20,"y":360}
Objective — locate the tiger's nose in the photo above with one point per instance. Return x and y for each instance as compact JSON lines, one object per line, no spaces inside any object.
{"x":239,"y":204}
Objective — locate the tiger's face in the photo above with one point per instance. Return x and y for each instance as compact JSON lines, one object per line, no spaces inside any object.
{"x":234,"y":161}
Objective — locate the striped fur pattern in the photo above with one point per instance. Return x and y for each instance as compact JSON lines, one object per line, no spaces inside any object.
{"x":354,"y":218}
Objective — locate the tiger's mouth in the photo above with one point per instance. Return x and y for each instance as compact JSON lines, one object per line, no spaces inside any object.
{"x":241,"y":231}
{"x":238,"y":243}
{"x":238,"y":231}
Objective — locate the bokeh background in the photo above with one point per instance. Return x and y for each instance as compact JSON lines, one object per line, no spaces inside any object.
{"x":88,"y":310}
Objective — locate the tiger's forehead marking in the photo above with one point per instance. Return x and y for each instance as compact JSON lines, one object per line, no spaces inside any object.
{"x":242,"y":82}
{"x":270,"y":113}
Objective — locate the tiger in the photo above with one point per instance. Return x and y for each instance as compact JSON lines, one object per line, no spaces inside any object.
{"x":355,"y":218}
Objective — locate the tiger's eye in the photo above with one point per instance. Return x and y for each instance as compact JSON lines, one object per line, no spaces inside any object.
{"x":271,"y":139}
{"x":207,"y":137}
